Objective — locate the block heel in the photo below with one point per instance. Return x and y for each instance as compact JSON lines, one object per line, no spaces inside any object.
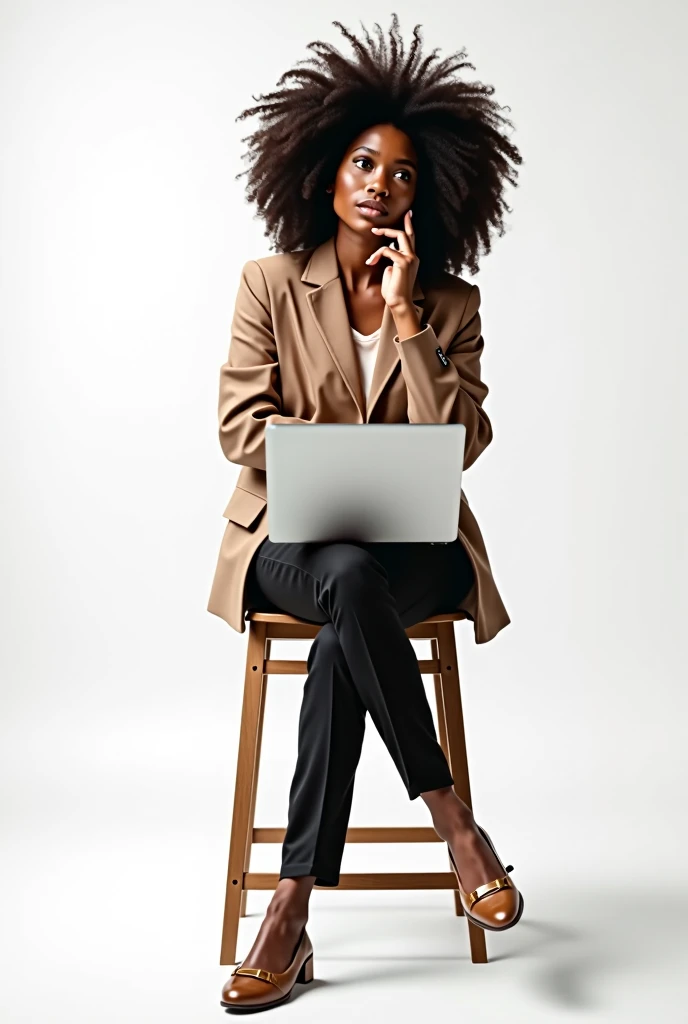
{"x":306,"y":973}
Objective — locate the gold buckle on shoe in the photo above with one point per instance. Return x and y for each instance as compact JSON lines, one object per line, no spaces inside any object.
{"x":489,"y":887}
{"x":257,"y":972}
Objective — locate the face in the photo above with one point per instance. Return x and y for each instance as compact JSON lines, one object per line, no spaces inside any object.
{"x":379,"y":167}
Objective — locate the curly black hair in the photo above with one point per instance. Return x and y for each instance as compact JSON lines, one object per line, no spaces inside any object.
{"x":456,"y":128}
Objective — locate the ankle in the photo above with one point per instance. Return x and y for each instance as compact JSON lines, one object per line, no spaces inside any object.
{"x":285,"y":907}
{"x":290,"y":901}
{"x":464,"y":837}
{"x":451,"y":817}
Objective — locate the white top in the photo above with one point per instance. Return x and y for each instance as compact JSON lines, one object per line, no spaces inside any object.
{"x":366,"y":348}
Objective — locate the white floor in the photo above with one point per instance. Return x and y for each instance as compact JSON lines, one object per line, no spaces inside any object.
{"x":591,"y":957}
{"x":114,"y":843}
{"x":124,"y":925}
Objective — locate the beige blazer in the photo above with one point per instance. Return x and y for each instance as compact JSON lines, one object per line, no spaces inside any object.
{"x":292,"y":360}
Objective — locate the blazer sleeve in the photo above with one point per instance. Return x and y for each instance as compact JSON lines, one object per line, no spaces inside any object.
{"x":452,"y":393}
{"x":249,"y":380}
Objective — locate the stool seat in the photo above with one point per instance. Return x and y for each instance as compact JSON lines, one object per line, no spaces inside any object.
{"x":266,"y":625}
{"x":258,"y":615}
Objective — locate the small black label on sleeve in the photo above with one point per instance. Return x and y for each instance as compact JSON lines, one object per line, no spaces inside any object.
{"x":441,"y":356}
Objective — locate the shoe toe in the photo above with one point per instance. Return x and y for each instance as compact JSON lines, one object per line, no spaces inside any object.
{"x":241,"y":990}
{"x":497,"y":910}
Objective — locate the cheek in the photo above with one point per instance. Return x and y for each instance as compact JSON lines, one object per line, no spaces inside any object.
{"x":345,"y":183}
{"x":345,"y":187}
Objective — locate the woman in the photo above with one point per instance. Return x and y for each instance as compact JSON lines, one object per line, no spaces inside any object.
{"x":342,"y":326}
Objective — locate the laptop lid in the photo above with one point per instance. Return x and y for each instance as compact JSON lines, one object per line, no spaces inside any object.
{"x":364,"y":481}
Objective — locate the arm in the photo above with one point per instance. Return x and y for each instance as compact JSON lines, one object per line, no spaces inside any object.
{"x":249,"y":379}
{"x":453,"y":393}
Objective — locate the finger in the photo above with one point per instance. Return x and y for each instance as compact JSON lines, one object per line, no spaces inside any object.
{"x":405,"y":245}
{"x":389,"y":250}
{"x":405,"y":237}
{"x":407,"y":229}
{"x":398,"y":258}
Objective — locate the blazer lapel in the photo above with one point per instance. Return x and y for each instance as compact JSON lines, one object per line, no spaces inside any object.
{"x":328,"y":307}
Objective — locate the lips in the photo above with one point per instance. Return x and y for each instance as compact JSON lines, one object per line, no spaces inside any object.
{"x":372,"y":207}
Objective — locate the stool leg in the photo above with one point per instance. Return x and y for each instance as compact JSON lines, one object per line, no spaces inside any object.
{"x":246,"y":762}
{"x":456,"y":742}
{"x":442,"y":727}
{"x":254,"y":784}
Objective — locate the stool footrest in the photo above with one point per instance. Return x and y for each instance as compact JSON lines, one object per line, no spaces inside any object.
{"x":287,"y":667}
{"x":384,"y":880}
{"x":393,"y":834}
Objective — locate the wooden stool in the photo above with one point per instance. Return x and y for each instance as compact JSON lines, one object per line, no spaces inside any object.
{"x":264,"y":627}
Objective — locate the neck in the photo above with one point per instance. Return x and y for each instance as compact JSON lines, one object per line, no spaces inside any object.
{"x":353,"y":249}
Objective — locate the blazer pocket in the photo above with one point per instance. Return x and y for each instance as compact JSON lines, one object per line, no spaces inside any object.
{"x":244,"y":507}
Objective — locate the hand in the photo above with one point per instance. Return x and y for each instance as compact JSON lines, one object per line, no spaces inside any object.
{"x":399,"y":279}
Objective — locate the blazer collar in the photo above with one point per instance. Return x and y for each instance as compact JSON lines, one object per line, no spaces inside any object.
{"x":328,"y":307}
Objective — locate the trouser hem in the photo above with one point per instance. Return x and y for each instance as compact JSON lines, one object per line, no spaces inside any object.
{"x":328,"y":878}
{"x":437,"y":783}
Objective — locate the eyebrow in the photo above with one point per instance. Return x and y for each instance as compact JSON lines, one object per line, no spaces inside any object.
{"x":411,"y":163}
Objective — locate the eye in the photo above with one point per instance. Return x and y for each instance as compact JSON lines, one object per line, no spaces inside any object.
{"x":367,"y":160}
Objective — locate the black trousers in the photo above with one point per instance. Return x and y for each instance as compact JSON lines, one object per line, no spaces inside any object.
{"x":361,"y":661}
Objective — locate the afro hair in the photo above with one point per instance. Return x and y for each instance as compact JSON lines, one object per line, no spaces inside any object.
{"x":457,"y":129}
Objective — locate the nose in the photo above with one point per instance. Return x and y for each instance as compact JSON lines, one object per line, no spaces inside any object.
{"x":379,"y":188}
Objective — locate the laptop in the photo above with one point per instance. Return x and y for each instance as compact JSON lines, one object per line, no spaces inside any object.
{"x":364,"y":481}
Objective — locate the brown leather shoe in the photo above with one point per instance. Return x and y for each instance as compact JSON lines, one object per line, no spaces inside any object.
{"x":497,"y":905}
{"x":250,"y":989}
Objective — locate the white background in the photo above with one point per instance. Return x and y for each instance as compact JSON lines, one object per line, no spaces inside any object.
{"x":123,"y":234}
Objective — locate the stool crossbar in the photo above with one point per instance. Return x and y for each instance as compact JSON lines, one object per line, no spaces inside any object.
{"x":263,"y":628}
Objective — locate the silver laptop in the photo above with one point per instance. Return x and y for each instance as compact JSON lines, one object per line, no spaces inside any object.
{"x":364,"y":481}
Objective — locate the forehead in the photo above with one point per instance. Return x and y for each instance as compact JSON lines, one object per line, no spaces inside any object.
{"x":383,"y":139}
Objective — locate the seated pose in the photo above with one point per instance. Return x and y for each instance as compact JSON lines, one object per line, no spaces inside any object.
{"x":340,"y":325}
